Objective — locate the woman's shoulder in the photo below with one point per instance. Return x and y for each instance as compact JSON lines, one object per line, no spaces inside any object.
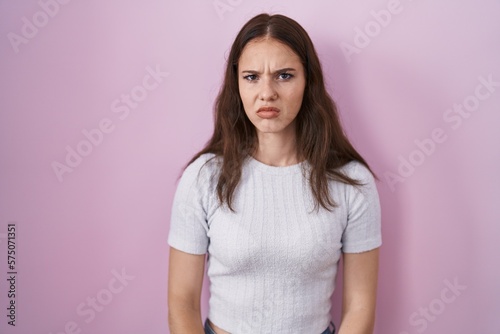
{"x":199,"y":177}
{"x":206,"y":165}
{"x":205,"y":159}
{"x":366,"y":180}
{"x":357,"y":171}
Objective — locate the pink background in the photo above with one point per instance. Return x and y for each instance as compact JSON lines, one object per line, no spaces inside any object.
{"x":111,"y":212}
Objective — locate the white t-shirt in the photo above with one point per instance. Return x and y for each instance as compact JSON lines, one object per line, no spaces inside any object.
{"x":272,"y":265}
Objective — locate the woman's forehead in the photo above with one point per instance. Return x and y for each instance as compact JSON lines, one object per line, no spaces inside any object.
{"x":267,"y":51}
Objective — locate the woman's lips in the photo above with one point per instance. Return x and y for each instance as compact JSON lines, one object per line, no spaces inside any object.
{"x":268,"y":112}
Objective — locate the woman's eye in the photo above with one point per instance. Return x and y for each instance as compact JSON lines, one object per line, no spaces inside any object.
{"x":285,"y":76}
{"x":250,"y":77}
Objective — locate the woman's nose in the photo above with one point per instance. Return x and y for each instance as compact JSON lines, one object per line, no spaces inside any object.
{"x":268,"y":91}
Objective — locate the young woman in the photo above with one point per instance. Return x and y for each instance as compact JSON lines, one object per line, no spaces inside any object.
{"x":274,"y":199}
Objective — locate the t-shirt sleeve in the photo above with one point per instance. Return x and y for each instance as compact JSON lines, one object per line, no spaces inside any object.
{"x":363,"y":229}
{"x":188,"y":223}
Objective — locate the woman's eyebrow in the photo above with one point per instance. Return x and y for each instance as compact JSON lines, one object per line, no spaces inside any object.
{"x":281,"y":70}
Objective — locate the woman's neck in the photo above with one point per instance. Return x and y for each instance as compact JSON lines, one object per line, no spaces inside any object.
{"x":277,"y":149}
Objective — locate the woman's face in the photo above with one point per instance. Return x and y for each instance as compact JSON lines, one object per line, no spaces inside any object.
{"x":271,"y":82}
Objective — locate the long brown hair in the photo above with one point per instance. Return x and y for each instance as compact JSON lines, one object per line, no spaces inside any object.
{"x":320,"y":138}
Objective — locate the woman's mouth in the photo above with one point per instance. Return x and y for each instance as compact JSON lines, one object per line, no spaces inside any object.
{"x":268,"y":112}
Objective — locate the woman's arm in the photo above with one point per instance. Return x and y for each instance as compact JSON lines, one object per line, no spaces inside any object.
{"x":185,"y":280}
{"x":359,"y":293}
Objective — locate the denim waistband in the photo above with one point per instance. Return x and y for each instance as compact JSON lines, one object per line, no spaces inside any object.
{"x":329,"y":330}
